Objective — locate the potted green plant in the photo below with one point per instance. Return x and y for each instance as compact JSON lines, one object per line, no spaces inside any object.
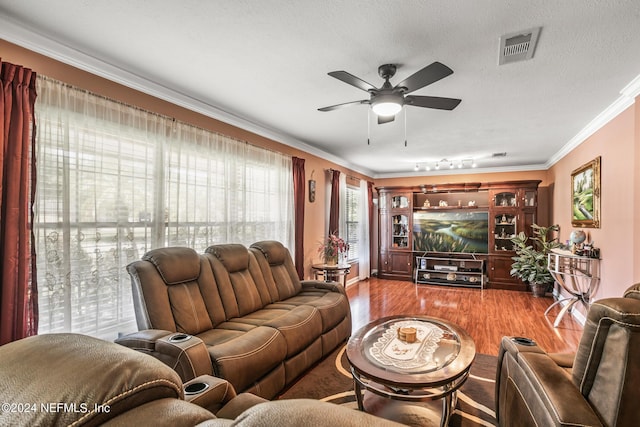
{"x":531,"y":262}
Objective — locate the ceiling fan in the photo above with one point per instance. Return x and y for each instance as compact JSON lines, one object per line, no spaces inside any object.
{"x":388,"y":100}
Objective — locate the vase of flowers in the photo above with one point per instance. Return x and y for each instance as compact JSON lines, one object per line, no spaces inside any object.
{"x":331,"y":248}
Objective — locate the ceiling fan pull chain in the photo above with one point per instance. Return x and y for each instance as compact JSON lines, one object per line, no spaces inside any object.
{"x":405,"y":127}
{"x":369,"y":126}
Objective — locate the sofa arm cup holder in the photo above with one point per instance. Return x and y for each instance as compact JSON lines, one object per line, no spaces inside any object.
{"x":186,"y":354}
{"x":195,"y":388}
{"x":523,"y":341}
{"x":208,"y":392}
{"x":176,"y":338}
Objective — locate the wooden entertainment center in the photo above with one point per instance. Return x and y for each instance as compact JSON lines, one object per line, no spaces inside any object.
{"x":505,"y":208}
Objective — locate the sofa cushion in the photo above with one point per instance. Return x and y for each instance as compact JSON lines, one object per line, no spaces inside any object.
{"x":189,"y":311}
{"x":333,"y":307}
{"x":300,"y":325}
{"x":242,"y":358}
{"x":233,"y":256}
{"x":240,"y":282}
{"x":277,"y":268}
{"x":175,"y":264}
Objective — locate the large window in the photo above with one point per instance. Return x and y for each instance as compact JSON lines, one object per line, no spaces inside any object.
{"x":353,"y":215}
{"x":114,"y":181}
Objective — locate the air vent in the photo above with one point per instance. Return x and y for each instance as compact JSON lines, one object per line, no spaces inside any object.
{"x":518,"y":46}
{"x":503,"y":154}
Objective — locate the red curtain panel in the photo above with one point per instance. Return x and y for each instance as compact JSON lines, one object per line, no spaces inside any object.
{"x":334,"y":209}
{"x":298,"y":197}
{"x":18,"y":296}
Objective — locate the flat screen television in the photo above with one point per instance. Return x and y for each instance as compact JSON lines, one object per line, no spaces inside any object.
{"x":465,"y":231}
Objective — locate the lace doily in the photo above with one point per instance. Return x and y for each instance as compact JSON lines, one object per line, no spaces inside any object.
{"x":391,"y":351}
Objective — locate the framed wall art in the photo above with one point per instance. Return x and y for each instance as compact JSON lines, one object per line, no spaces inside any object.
{"x":312,"y":191}
{"x":585,"y":195}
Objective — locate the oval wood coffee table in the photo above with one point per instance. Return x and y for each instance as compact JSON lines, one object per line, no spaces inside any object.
{"x":431,"y":368}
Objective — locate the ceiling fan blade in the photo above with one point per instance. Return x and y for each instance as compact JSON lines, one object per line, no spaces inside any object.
{"x":385,"y":119}
{"x":429,"y":74}
{"x":352,"y":80}
{"x":346,"y":104}
{"x":432,"y":102}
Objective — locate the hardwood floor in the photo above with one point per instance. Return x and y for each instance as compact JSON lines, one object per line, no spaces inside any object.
{"x":487,"y":315}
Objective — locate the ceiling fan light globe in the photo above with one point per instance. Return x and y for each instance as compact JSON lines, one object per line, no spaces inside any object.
{"x":386,"y":105}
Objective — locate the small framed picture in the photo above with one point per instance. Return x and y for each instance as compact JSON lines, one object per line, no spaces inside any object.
{"x":312,"y":191}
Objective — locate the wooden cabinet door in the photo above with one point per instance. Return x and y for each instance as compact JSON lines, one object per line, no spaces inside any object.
{"x":499,"y":274}
{"x":528,"y":217}
{"x":400,"y":263}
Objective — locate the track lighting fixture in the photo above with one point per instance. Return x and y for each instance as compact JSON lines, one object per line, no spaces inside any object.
{"x":463,"y":163}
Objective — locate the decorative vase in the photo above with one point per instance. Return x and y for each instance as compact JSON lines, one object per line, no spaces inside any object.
{"x":333,"y":260}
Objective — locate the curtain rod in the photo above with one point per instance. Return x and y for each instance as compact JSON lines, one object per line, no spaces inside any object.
{"x":174,"y":121}
{"x":347,"y":175}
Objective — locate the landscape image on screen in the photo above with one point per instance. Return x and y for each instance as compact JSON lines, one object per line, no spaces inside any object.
{"x":451,"y":231}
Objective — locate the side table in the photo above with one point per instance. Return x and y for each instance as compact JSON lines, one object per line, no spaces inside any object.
{"x":332,"y":273}
{"x":577,"y":275}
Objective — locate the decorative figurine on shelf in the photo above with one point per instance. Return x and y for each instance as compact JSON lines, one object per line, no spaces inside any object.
{"x":443,"y":203}
{"x":426,"y":204}
{"x":503,"y":219}
{"x":472,"y":203}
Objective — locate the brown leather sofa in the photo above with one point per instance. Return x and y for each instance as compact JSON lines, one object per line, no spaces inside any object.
{"x":71,"y":379}
{"x":596,"y":386}
{"x":237,"y":313}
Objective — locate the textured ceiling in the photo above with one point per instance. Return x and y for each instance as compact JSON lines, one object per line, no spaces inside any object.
{"x":265,"y":63}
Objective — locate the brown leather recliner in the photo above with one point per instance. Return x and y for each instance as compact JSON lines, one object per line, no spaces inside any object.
{"x":72,"y":379}
{"x":598,"y":386}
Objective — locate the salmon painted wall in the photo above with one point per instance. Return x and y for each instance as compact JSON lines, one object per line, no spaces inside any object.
{"x":314,"y":212}
{"x":618,"y":144}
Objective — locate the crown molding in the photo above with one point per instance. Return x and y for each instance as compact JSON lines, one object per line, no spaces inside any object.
{"x":627,"y":98}
{"x":32,"y":40}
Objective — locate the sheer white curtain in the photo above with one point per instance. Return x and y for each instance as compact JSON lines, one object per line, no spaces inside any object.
{"x":221,"y":190}
{"x":364,"y":256}
{"x":114,"y":181}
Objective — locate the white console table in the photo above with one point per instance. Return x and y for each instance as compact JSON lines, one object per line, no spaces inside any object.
{"x":579,"y":276}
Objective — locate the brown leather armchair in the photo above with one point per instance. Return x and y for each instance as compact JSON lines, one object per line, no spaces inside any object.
{"x":598,"y":386}
{"x":72,"y":379}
